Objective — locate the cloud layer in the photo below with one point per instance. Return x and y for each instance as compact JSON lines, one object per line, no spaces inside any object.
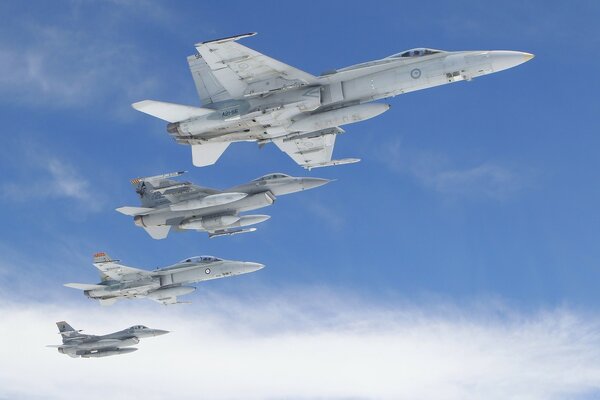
{"x":305,"y":344}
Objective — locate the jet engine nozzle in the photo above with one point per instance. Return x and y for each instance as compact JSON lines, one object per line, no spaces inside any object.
{"x":173,"y":128}
{"x":138,"y":220}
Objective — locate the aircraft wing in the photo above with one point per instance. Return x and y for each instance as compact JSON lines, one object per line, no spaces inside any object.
{"x":313,"y":149}
{"x":230,"y":70}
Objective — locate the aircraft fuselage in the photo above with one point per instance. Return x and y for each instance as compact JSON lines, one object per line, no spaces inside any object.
{"x":167,"y":282}
{"x":339,"y":97}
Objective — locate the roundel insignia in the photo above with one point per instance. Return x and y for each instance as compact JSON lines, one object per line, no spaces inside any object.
{"x":207,"y":270}
{"x":415,"y":73}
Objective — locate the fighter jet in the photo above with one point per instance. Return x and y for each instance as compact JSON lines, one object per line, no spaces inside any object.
{"x":168,"y":203}
{"x":248,"y":96}
{"x":76,"y":344}
{"x":162,"y":285}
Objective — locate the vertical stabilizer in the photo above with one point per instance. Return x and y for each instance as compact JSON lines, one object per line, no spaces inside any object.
{"x":151,"y":189}
{"x":207,"y":85}
{"x":102,"y":257}
{"x":66,"y":331}
{"x":102,"y":261}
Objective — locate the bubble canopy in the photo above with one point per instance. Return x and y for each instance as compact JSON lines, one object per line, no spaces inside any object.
{"x":271,"y":176}
{"x":418,"y":52}
{"x":201,"y":259}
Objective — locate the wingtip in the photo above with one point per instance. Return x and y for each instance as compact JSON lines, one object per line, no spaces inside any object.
{"x":139,"y":104}
{"x":227,"y":38}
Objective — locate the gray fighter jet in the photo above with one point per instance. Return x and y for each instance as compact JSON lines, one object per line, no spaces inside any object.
{"x":162,"y":285}
{"x":76,"y":344}
{"x":181,"y":205}
{"x":248,"y":96}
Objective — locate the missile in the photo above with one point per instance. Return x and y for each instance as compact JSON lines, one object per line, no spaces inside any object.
{"x":244,"y":220}
{"x":332,"y":162}
{"x":230,"y":233}
{"x":109,"y":353}
{"x":208,"y":201}
{"x":170,"y":292}
{"x":341,"y":116}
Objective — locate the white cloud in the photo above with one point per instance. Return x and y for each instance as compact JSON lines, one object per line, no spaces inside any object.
{"x":327,"y":215}
{"x":435,"y":171}
{"x":70,"y":65}
{"x":51,"y":177}
{"x":305,"y":344}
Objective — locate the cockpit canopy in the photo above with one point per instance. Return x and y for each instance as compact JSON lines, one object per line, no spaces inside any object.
{"x":138,"y":327}
{"x":201,"y":259}
{"x":271,"y":176}
{"x":419,"y":52}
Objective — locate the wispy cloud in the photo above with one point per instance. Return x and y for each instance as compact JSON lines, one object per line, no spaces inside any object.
{"x":435,"y":171}
{"x":50,"y":177}
{"x":312,"y":345}
{"x":64,"y":62}
{"x":326,"y":214}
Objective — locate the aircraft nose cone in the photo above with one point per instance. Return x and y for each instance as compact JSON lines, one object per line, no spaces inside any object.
{"x":502,"y":60}
{"x":158,"y":332}
{"x":252,"y":266}
{"x":310,"y":183}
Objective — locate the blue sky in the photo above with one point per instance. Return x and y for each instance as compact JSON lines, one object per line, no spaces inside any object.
{"x":482,"y":191}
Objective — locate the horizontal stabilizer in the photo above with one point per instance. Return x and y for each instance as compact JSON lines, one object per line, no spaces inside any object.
{"x":207,"y":153}
{"x":170,"y":112}
{"x":133,"y":211}
{"x":158,"y":232}
{"x":102,"y":257}
{"x":84,"y":286}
